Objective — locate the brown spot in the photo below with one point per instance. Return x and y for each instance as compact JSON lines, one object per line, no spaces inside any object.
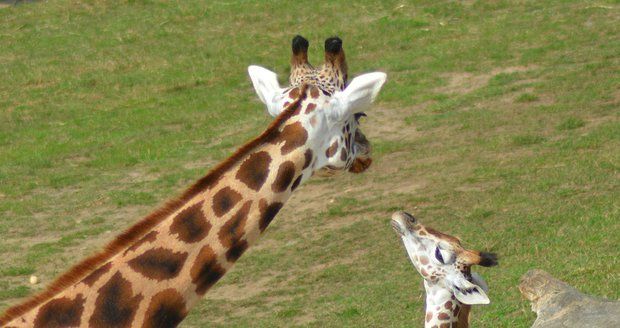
{"x":443,"y":316}
{"x":456,"y":311}
{"x":237,"y":249}
{"x":314,"y":92}
{"x":233,"y":231}
{"x":297,"y":109}
{"x":190,"y":224}
{"x":286,"y":103}
{"x":159,"y":263}
{"x":307,"y":158}
{"x":310,"y":108}
{"x":224,"y":200}
{"x":424,"y":260}
{"x":423,"y":272}
{"x":429,"y":316}
{"x":448,"y":305}
{"x":167,"y":309}
{"x":332,"y":149}
{"x":293,"y":135}
{"x":445,"y":325}
{"x":267,"y":213}
{"x":234,"y":228}
{"x":254,"y":170}
{"x":285,"y":175}
{"x":149,"y":237}
{"x":296,"y":182}
{"x":60,"y":312}
{"x":294,"y":93}
{"x":343,"y":154}
{"x":206,"y":271}
{"x":115,"y":306}
{"x":95,"y":275}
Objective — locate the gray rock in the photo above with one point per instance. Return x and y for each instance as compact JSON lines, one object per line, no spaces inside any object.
{"x":559,"y":305}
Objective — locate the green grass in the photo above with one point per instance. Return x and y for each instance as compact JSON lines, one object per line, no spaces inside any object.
{"x":499,"y":124}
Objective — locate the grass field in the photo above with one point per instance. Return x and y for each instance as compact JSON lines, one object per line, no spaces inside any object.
{"x":500,"y":123}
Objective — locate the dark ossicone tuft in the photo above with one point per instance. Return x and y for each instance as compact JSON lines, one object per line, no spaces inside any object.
{"x":488,"y":259}
{"x":300,"y":44}
{"x":333,"y":44}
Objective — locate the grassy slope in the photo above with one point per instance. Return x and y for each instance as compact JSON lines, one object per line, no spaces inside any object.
{"x":505,"y":129}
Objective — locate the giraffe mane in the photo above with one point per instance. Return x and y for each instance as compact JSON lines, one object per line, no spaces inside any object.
{"x":464,"y":314}
{"x":139,"y":229}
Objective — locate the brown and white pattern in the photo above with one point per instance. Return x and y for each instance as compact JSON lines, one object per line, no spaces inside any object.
{"x":154,"y":273}
{"x":451,"y":287}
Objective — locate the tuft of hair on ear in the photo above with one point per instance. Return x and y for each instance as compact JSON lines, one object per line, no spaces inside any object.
{"x":488,"y":259}
{"x":300,"y":44}
{"x":333,"y":44}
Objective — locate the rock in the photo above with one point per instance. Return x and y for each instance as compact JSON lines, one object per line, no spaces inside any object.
{"x":559,"y":305}
{"x":34,"y":280}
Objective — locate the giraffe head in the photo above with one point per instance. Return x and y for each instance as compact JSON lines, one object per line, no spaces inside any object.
{"x":441,"y":260}
{"x":330,"y":108}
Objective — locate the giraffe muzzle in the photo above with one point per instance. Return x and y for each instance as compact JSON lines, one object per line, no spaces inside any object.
{"x":403,"y":222}
{"x":362,"y":158}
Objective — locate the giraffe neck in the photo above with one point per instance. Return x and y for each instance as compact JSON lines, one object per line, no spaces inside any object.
{"x":443,"y":309}
{"x":162,"y":274}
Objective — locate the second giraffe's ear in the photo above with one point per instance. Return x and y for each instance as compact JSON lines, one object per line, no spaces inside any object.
{"x":268,"y":89}
{"x":467,"y":292}
{"x":358,"y":95}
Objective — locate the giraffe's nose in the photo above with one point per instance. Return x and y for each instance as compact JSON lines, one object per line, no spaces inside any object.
{"x":404,"y":217}
{"x":401,"y":221}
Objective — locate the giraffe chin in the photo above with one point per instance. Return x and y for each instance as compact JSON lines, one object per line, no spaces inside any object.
{"x":360,"y":165}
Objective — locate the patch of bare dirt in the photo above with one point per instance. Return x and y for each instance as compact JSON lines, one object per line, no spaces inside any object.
{"x":463,"y":82}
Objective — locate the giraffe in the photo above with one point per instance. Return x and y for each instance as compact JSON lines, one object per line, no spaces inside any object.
{"x":451,"y":287}
{"x":152,"y":274}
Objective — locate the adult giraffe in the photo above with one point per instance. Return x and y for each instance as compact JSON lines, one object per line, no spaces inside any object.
{"x":156,"y":271}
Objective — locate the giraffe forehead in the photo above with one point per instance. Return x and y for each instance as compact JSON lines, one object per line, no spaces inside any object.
{"x":440,"y":236}
{"x":327,"y":81}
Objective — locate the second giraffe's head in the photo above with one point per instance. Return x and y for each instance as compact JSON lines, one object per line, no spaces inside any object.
{"x":327,"y":107}
{"x":441,"y":259}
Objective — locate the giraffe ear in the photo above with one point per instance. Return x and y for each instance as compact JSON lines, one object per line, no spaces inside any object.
{"x":358,"y":95}
{"x":268,"y":89}
{"x":467,"y":292}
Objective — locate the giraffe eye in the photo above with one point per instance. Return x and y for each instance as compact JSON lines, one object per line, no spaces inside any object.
{"x":444,"y":256}
{"x":438,"y":255}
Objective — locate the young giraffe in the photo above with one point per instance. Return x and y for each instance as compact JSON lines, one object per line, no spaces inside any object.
{"x":156,"y":271}
{"x":451,"y":287}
